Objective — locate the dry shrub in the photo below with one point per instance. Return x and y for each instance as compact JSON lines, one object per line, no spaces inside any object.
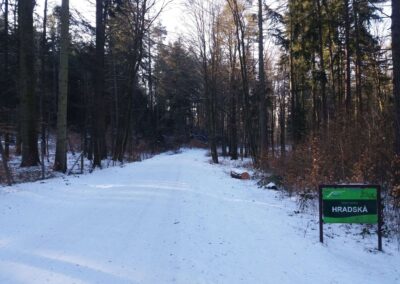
{"x":346,"y":152}
{"x":195,"y":143}
{"x":395,"y":191}
{"x":361,"y":153}
{"x":74,"y":142}
{"x":142,"y":150}
{"x":296,"y":168}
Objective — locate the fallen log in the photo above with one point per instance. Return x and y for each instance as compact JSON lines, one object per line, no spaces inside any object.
{"x":244,"y":175}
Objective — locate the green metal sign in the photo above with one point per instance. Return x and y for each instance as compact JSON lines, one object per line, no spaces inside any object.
{"x":350,"y":205}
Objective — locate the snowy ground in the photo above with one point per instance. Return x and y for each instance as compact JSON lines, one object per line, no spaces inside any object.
{"x":31,"y":174}
{"x":175,"y":219}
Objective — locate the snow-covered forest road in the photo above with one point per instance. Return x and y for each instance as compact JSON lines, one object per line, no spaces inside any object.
{"x":175,"y":219}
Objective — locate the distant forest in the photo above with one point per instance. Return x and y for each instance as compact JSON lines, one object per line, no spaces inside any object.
{"x":320,"y":103}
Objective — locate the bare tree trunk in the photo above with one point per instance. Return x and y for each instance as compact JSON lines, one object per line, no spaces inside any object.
{"x":5,"y":165}
{"x":292,"y":84}
{"x":99,"y":124}
{"x":332,"y":69}
{"x":209,"y":113}
{"x":215,"y":57}
{"x":60,"y":163}
{"x":322,"y":74}
{"x":315,"y":111}
{"x":396,"y":93}
{"x":282,"y":121}
{"x":396,"y":69}
{"x":5,"y":41}
{"x":348,"y":58}
{"x":43,"y":90}
{"x":116,"y":103}
{"x":5,"y":83}
{"x":18,"y":142}
{"x":223,"y":134}
{"x":272,"y":130}
{"x":151,"y":93}
{"x":358,"y":58}
{"x":233,"y":149}
{"x":263,"y":114}
{"x":30,"y":153}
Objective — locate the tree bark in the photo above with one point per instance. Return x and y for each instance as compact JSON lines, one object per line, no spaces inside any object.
{"x":60,"y":163}
{"x":214,"y":48}
{"x":358,"y":73}
{"x":5,"y":82}
{"x":5,"y":41}
{"x":99,"y":147}
{"x":116,"y":104}
{"x":322,"y":74}
{"x":30,"y":154}
{"x":261,"y":73}
{"x":348,"y":57}
{"x":5,"y":165}
{"x":396,"y":69}
{"x":233,"y":149}
{"x":282,"y":121}
{"x":43,"y":91}
{"x":209,"y":110}
{"x":292,"y":82}
{"x":315,"y":104}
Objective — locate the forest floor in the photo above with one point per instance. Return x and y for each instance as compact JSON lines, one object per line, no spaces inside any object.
{"x":176,"y":218}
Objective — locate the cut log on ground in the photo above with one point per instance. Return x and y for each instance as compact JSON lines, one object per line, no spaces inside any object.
{"x":244,"y":175}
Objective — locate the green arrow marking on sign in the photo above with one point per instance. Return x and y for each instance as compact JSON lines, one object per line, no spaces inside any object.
{"x":349,"y":193}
